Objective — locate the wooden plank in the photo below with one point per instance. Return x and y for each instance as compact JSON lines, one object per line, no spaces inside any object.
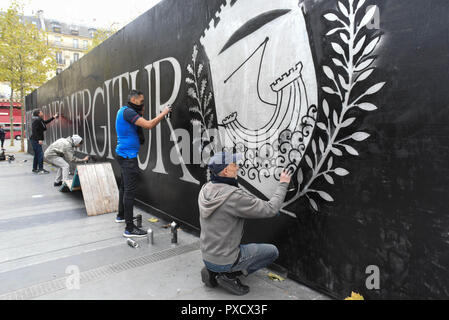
{"x":112,"y":184}
{"x":92,"y":180}
{"x":108,"y":180}
{"x":112,"y":187}
{"x":99,"y":188}
{"x":87,"y":190}
{"x":101,"y":181}
{"x":112,"y":205}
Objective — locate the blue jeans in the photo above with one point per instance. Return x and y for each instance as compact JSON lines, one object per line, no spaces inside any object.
{"x":38,"y":162}
{"x":253,"y":257}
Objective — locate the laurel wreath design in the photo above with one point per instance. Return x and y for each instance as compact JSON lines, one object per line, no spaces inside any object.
{"x":203,"y":112}
{"x":353,"y":60}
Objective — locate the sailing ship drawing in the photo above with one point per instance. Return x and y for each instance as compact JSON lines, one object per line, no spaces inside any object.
{"x":264,"y":85}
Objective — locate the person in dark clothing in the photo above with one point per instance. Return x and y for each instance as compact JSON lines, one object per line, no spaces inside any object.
{"x":2,"y":135}
{"x":129,"y":127}
{"x":39,"y":126}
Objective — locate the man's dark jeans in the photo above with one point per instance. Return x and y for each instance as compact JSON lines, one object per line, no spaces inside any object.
{"x":38,"y":162}
{"x":2,"y":142}
{"x":128,"y":187}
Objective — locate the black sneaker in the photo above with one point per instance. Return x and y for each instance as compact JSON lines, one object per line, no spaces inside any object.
{"x":232,"y":284}
{"x":136,"y":233}
{"x":209,"y":278}
{"x":58,"y":184}
{"x":35,"y":171}
{"x":119,"y":219}
{"x":43,"y":171}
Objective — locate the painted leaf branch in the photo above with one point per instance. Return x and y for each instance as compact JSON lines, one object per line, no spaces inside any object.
{"x":352,"y":61}
{"x":202,"y":110}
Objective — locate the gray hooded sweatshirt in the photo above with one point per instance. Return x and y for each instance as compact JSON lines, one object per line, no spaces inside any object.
{"x":65,"y":148}
{"x":223,"y":210}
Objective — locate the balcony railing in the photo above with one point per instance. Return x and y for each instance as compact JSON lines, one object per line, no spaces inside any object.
{"x":66,"y":46}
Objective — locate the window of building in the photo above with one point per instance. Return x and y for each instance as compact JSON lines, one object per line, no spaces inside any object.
{"x":76,"y":56}
{"x":85,"y":44}
{"x":74,"y":30}
{"x":92,"y":32}
{"x":56,"y":27}
{"x":59,"y":58}
{"x":75,"y":43}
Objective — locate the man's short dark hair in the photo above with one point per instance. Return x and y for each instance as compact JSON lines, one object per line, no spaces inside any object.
{"x":36,"y":113}
{"x":134,"y":94}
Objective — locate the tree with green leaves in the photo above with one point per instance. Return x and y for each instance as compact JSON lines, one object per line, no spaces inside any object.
{"x":100,"y":36}
{"x":26,"y":59}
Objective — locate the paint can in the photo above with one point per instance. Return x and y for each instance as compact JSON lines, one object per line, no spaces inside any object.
{"x":169,"y":115}
{"x":132,"y":243}
{"x":150,"y":238}
{"x":174,"y":233}
{"x":139,"y":221}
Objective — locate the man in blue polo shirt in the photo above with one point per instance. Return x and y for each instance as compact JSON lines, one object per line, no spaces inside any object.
{"x":129,"y":126}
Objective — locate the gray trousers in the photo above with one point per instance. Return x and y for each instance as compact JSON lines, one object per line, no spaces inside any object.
{"x":63,"y":168}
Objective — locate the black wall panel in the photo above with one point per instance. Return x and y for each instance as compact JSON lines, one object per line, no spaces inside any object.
{"x":382,"y":201}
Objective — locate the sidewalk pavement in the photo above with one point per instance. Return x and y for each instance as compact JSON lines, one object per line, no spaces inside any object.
{"x":16,"y":148}
{"x":47,"y":240}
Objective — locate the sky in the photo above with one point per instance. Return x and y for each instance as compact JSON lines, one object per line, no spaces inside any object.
{"x":94,"y":13}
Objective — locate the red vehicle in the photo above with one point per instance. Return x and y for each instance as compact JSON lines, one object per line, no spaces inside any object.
{"x":5,"y":121}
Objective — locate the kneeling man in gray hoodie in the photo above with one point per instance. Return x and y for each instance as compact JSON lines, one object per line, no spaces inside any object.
{"x":223,"y":209}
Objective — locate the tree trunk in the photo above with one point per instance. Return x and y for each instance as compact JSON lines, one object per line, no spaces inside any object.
{"x":11,"y":117}
{"x":22,"y":123}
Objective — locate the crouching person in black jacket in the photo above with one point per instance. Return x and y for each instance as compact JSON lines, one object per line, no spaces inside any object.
{"x":39,"y":126}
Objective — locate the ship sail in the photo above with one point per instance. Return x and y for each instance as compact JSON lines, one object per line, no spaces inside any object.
{"x":291,"y":97}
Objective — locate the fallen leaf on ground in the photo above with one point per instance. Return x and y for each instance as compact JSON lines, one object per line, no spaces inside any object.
{"x":355,"y":296}
{"x":275,"y":277}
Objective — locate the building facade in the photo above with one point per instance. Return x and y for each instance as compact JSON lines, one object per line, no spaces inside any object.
{"x":71,"y":42}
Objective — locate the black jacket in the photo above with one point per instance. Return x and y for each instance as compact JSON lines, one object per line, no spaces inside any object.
{"x":2,"y":134}
{"x":39,"y":126}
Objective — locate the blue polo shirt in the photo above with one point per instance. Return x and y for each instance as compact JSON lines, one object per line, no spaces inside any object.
{"x":128,"y":143}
